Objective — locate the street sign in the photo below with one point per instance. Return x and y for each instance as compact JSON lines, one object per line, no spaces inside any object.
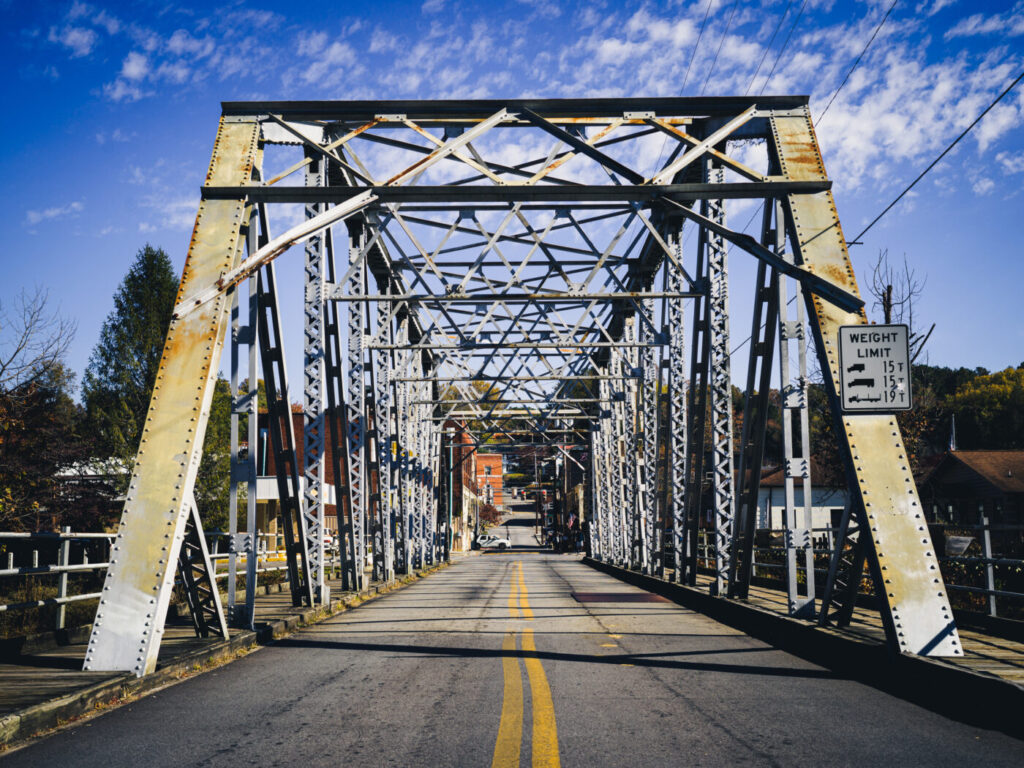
{"x":874,"y":370}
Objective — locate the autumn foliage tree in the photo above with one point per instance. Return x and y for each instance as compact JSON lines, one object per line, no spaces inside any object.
{"x":44,"y":449}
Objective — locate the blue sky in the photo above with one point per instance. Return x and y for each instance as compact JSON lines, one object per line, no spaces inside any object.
{"x":112,"y":110}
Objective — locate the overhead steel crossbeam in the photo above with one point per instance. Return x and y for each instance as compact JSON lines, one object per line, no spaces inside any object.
{"x":513,"y":268}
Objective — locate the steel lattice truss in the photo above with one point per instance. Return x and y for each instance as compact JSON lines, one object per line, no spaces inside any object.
{"x":524,"y":269}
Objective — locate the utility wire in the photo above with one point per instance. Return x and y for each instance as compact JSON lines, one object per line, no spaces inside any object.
{"x":693,"y":55}
{"x":768,"y":47}
{"x":946,"y":151}
{"x":721,"y":42}
{"x":855,"y":63}
{"x":784,"y":46}
{"x":696,"y":45}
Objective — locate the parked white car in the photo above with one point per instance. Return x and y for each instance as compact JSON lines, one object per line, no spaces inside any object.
{"x":489,"y":540}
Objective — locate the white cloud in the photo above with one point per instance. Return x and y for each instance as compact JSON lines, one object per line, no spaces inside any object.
{"x":81,"y":40}
{"x":35,"y":217}
{"x":382,"y":41}
{"x":1011,"y":162}
{"x":79,"y":10}
{"x":935,"y":7}
{"x":108,"y":22}
{"x":120,"y":90}
{"x":175,"y":72}
{"x":327,"y":69}
{"x":1009,"y":24}
{"x":117,"y":135}
{"x":547,"y":9}
{"x":432,"y":6}
{"x":135,"y":66}
{"x":983,"y":186}
{"x":181,"y":43}
{"x":312,"y":44}
{"x":146,"y":228}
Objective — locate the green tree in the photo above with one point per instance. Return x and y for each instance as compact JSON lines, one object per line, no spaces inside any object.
{"x":213,"y":481}
{"x":990,"y":410}
{"x":122,"y":370}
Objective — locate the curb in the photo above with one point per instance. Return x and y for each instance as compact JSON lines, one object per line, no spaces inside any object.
{"x":35,"y":720}
{"x":976,"y":698}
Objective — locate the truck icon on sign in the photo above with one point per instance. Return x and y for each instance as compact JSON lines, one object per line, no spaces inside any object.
{"x":861,"y":383}
{"x":856,"y":368}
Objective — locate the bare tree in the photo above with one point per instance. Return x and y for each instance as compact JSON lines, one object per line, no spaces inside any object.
{"x":32,"y":339}
{"x":896,"y":291}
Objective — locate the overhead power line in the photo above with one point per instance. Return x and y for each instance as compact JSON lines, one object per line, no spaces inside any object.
{"x":946,"y":151}
{"x":721,"y":42}
{"x":693,"y":55}
{"x":785,"y":45}
{"x":855,"y":63}
{"x":696,"y":45}
{"x":768,"y":47}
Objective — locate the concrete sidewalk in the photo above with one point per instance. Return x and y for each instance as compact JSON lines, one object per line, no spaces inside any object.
{"x":45,"y":688}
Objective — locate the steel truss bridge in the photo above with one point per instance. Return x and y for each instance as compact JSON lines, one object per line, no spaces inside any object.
{"x":547,"y":269}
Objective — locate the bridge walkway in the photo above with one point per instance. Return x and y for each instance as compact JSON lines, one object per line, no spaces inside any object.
{"x":984,"y":652}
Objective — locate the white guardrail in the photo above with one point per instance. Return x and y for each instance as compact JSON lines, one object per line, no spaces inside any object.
{"x":270,"y":558}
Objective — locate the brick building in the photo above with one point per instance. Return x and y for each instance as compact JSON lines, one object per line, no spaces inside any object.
{"x":489,"y":478}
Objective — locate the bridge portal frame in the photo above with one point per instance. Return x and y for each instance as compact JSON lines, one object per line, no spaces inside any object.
{"x":438,"y":336}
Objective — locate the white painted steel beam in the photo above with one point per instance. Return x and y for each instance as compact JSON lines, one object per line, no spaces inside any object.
{"x":130,"y":619}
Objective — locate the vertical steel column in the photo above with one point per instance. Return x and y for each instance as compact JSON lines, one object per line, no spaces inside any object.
{"x":596,"y":513}
{"x":755,"y":408}
{"x":676,"y":480}
{"x":797,"y":520}
{"x":433,"y":448}
{"x":648,"y":387}
{"x":697,"y":410}
{"x":403,"y":554}
{"x":720,"y":380}
{"x":243,"y":471}
{"x":633,"y":458}
{"x":384,"y":420}
{"x":312,"y":391}
{"x":609,"y":487}
{"x":620,"y":460}
{"x":282,"y":436}
{"x":356,"y":400}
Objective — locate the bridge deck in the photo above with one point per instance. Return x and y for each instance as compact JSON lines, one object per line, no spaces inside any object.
{"x":515,"y":655}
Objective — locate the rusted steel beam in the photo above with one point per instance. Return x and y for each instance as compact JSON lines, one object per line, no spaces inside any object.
{"x":130,"y":618}
{"x":915,"y":608}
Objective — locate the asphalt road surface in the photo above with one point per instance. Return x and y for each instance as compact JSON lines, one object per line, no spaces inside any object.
{"x":518,"y":659}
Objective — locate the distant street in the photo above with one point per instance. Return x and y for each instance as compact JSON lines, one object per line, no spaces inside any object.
{"x":518,"y":526}
{"x":522,"y":658}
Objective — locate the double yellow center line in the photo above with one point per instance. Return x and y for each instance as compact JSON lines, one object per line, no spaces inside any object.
{"x":510,"y":729}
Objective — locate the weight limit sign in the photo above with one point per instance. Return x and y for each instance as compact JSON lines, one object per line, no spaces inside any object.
{"x":874,"y":372}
